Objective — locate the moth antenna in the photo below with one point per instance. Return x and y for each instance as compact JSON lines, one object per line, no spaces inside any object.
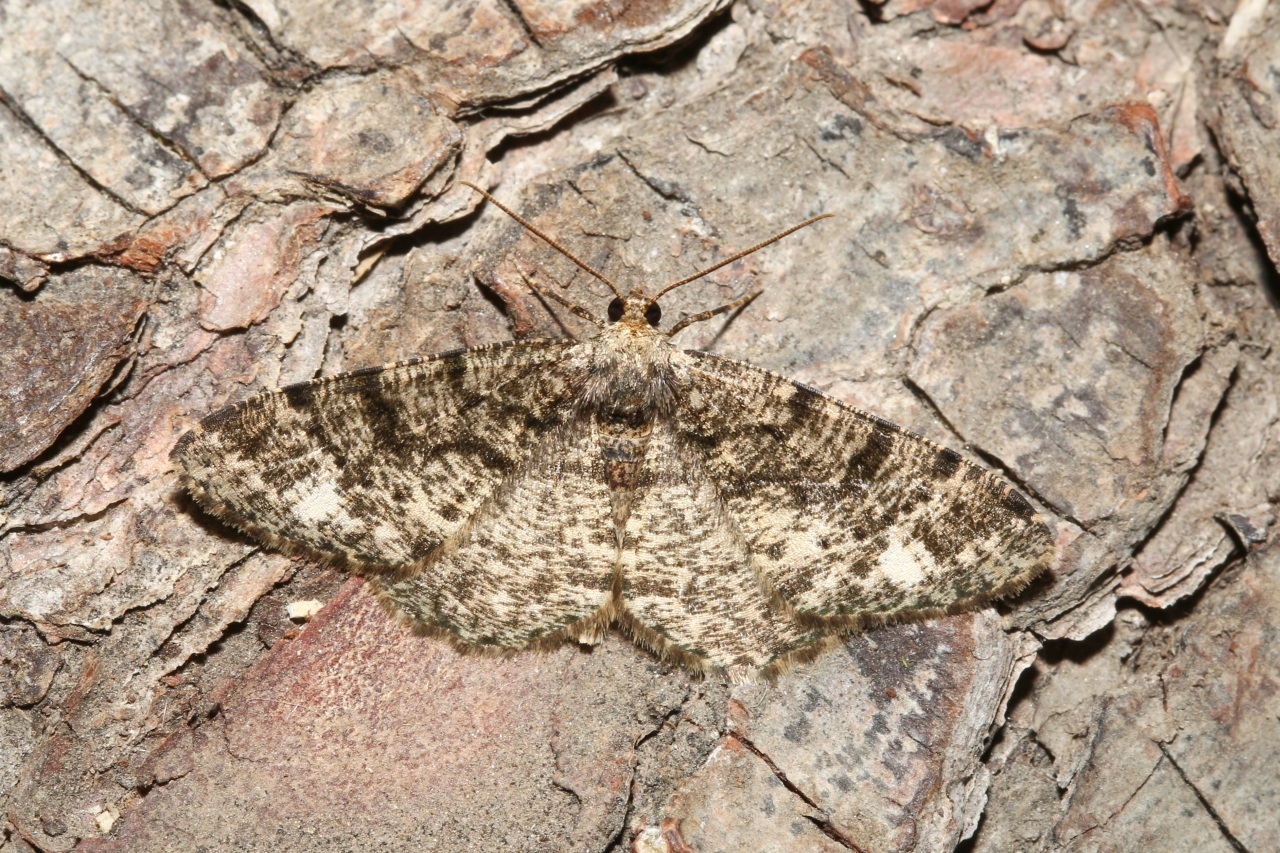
{"x":552,"y":243}
{"x":707,"y":315}
{"x":555,"y":297}
{"x":757,"y":247}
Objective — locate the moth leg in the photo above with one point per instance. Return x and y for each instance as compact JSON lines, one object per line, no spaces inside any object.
{"x":547,"y":293}
{"x":740,"y":302}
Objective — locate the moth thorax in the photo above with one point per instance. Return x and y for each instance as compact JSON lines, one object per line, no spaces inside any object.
{"x":634,"y":397}
{"x":628,"y":391}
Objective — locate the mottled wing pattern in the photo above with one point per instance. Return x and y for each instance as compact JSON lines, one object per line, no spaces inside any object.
{"x":690,"y":584}
{"x":376,"y":469}
{"x":538,"y":556}
{"x":849,"y":517}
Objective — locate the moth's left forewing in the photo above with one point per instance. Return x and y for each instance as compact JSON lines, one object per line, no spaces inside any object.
{"x":375,"y":469}
{"x":852,"y":519}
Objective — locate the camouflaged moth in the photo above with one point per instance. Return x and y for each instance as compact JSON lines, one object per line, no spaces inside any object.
{"x":534,"y":491}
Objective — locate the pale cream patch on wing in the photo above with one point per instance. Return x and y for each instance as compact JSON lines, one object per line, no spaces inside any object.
{"x":387,"y":536}
{"x":320,"y":503}
{"x":903,"y":565}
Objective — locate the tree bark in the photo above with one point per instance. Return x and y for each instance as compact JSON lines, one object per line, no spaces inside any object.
{"x":1056,"y":252}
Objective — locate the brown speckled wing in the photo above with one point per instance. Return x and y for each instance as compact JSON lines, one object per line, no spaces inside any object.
{"x":690,"y":585}
{"x":374,"y":470}
{"x":536,"y":560}
{"x":851,"y":519}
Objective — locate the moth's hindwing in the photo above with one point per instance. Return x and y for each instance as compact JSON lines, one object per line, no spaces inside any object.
{"x":690,"y":586}
{"x":537,"y":556}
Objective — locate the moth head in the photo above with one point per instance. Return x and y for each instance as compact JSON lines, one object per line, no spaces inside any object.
{"x":635,"y":309}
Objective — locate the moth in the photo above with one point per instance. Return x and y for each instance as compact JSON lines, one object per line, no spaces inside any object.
{"x":535,"y":491}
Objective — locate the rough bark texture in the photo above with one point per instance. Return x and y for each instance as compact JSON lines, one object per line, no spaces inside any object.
{"x":1057,"y":247}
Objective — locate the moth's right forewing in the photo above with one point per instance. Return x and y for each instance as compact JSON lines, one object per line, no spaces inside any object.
{"x":375,"y":469}
{"x":850,"y":517}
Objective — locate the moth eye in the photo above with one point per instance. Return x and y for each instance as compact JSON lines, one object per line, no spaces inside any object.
{"x":653,"y":314}
{"x":615,"y":310}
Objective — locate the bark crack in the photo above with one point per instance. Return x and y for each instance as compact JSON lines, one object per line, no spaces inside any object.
{"x":516,"y":12}
{"x":179,"y":627}
{"x":62,"y":523}
{"x":705,"y":147}
{"x":820,"y":820}
{"x":668,"y":190}
{"x":245,"y":14}
{"x":1194,"y":469}
{"x":22,"y":116}
{"x":1230,"y":836}
{"x":614,"y":842}
{"x":225,"y":736}
{"x":164,"y":142}
{"x":828,"y":161}
{"x":1098,"y":824}
{"x":988,"y":457}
